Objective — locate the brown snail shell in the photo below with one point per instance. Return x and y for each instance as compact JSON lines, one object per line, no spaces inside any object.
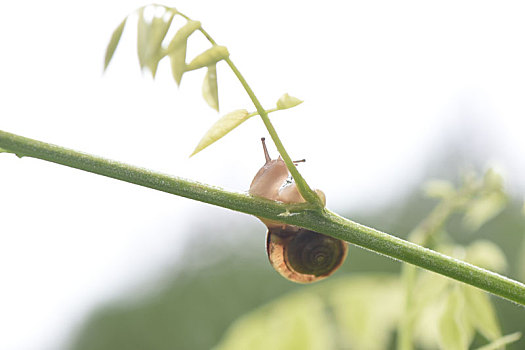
{"x":298,"y":254}
{"x":304,"y":256}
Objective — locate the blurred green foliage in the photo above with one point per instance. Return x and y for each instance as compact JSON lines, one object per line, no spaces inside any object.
{"x":317,"y":317}
{"x":238,"y":301}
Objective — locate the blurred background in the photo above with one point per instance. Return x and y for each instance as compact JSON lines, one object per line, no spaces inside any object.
{"x":395,"y":93}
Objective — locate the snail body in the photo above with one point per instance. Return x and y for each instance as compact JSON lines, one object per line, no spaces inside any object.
{"x":298,"y":254}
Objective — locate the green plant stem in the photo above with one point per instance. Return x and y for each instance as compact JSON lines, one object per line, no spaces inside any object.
{"x":303,"y":215}
{"x":308,"y":194}
{"x":501,"y":342}
{"x":268,"y":111}
{"x":421,"y":235}
{"x":405,"y":328}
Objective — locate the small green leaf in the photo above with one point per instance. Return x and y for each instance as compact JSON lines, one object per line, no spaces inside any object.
{"x":3,"y":151}
{"x":295,"y":322}
{"x":452,"y":327}
{"x":223,"y":126}
{"x":492,"y":180}
{"x":113,"y":43}
{"x":484,"y":253}
{"x":210,"y":90}
{"x":177,"y":49}
{"x":439,"y":189}
{"x":286,"y":101}
{"x":149,"y":38}
{"x":483,"y":209}
{"x":425,"y":307}
{"x":207,"y":58}
{"x":481,"y":313}
{"x":501,"y":342}
{"x":142,"y":38}
{"x":366,"y":310}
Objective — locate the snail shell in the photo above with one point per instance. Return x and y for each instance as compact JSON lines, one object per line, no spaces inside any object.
{"x":298,"y":254}
{"x":302,"y":255}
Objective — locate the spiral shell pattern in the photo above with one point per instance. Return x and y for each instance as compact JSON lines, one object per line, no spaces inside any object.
{"x":302,"y":255}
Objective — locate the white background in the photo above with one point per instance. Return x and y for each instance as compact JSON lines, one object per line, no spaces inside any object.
{"x":385,"y":85}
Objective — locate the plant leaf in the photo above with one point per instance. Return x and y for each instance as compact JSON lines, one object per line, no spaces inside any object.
{"x":492,"y":180}
{"x":142,"y":34}
{"x":221,"y":127}
{"x":177,"y":49}
{"x":425,"y":308}
{"x":484,"y":253}
{"x":207,"y":58}
{"x":481,"y":313}
{"x":366,"y":310}
{"x":483,"y":209}
{"x":439,"y":189}
{"x":149,"y":38}
{"x":453,"y":333}
{"x":286,"y":101}
{"x":113,"y":43}
{"x":499,"y":343}
{"x":210,"y":90}
{"x":298,"y":321}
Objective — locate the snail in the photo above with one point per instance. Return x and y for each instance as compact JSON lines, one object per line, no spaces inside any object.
{"x":298,"y":254}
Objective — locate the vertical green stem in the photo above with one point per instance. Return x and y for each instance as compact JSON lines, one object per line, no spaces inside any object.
{"x":422,"y":235}
{"x":308,"y":194}
{"x":406,"y":324}
{"x":305,"y":190}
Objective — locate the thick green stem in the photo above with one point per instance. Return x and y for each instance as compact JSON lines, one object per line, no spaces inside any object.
{"x":304,"y":215}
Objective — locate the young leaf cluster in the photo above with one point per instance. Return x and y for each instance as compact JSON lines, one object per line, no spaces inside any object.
{"x":464,"y":310}
{"x":153,"y":24}
{"x":457,"y":312}
{"x":480,"y":199}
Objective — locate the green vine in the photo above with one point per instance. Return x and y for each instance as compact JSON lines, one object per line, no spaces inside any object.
{"x":303,"y":215}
